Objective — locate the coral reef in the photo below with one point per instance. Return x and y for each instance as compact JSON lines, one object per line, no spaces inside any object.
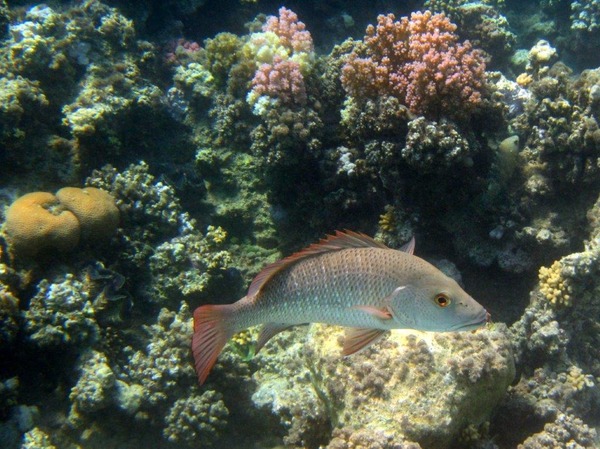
{"x":351,"y":439}
{"x":186,"y":265}
{"x":199,"y":417}
{"x":219,"y":152}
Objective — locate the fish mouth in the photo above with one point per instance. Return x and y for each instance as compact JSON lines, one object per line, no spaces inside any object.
{"x":480,"y":320}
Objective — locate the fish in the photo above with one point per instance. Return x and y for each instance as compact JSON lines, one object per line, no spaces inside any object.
{"x":346,"y":279}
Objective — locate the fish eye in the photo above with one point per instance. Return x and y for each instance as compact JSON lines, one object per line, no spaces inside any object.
{"x":442,"y":300}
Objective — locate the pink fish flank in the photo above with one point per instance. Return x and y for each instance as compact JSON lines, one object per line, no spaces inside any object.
{"x":347,"y":279}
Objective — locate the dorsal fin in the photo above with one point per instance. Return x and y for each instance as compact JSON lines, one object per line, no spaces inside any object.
{"x":341,"y":240}
{"x":408,"y":247}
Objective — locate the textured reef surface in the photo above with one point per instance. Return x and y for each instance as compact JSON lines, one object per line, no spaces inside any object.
{"x":155,"y":155}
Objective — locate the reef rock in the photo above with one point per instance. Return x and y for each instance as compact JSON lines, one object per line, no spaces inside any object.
{"x":421,"y":387}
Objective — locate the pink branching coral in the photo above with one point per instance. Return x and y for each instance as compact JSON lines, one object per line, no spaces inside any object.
{"x":282,"y":80}
{"x":419,"y":61}
{"x":290,"y":30}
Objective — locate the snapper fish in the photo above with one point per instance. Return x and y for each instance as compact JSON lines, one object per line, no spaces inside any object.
{"x":347,"y":279}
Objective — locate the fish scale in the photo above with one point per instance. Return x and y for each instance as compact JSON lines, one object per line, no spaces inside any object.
{"x":347,"y":279}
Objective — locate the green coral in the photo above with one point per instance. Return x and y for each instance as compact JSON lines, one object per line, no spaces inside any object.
{"x":36,"y":438}
{"x":223,"y":52}
{"x":189,"y":264}
{"x":196,"y":79}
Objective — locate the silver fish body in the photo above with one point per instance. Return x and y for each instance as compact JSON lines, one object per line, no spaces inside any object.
{"x":348,"y":280}
{"x":331,"y":288}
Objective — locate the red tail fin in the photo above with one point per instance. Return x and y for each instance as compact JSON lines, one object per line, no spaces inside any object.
{"x":211,"y":332}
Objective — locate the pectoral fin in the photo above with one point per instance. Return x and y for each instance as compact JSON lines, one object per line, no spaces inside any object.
{"x":382,"y":314}
{"x":360,"y":338}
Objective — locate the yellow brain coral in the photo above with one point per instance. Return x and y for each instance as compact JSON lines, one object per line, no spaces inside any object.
{"x":37,"y":221}
{"x":40,"y":221}
{"x":95,"y":209}
{"x":553,"y":286}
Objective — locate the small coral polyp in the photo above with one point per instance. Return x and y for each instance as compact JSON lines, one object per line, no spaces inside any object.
{"x":554,"y":286}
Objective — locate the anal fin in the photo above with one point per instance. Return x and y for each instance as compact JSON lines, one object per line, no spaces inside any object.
{"x":268,"y":331}
{"x":358,"y":338}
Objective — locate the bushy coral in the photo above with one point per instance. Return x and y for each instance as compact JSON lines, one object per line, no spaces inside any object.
{"x":76,"y":59}
{"x":281,"y":80}
{"x":419,"y":61}
{"x":197,"y":417}
{"x":486,"y":28}
{"x":150,"y":207}
{"x":436,"y":146}
{"x":9,"y":314}
{"x":95,"y":387}
{"x":450,"y":7}
{"x":36,"y":438}
{"x":585,"y":15}
{"x":283,"y":52}
{"x":22,"y":108}
{"x":161,"y":367}
{"x":558,"y":130}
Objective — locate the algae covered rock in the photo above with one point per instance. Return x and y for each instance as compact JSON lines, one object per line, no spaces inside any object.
{"x":423,"y":388}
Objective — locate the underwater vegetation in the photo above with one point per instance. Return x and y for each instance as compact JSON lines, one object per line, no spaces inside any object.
{"x":156,"y":155}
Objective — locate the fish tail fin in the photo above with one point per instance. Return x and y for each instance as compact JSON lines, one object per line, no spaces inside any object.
{"x":212,"y":330}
